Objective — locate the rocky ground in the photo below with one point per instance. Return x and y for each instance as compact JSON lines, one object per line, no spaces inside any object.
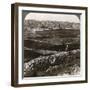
{"x":58,"y":64}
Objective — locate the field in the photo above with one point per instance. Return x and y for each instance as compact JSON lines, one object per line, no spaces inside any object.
{"x":51,"y":51}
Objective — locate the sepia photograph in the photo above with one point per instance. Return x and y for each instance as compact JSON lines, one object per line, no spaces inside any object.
{"x":51,"y":44}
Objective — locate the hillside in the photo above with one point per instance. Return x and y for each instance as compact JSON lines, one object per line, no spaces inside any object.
{"x":51,"y":48}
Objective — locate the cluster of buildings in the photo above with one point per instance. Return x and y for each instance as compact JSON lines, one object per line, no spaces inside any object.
{"x":29,"y":24}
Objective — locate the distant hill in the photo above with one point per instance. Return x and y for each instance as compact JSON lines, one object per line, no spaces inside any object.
{"x":50,"y":24}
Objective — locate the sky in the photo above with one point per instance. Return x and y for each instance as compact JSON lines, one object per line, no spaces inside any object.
{"x":52,"y":17}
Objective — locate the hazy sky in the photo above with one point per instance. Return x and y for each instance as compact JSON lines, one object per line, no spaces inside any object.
{"x":52,"y":17}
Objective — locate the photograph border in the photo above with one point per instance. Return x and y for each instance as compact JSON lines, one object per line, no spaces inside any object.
{"x":14,"y":43}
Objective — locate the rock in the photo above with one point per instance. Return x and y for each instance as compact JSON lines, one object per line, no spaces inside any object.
{"x":52,"y":64}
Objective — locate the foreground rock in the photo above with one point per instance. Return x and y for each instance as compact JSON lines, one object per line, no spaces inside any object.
{"x":57,"y":64}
